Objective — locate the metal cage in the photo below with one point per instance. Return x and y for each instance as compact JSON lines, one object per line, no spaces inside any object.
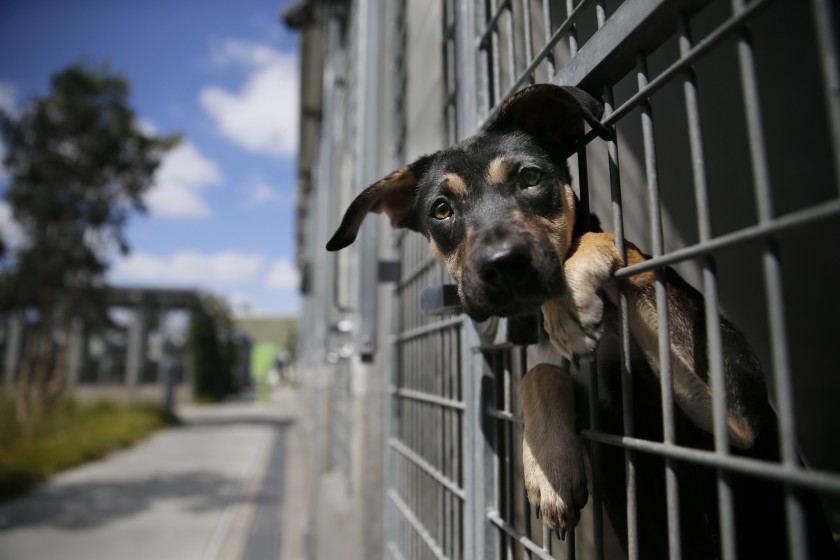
{"x":726,"y":166}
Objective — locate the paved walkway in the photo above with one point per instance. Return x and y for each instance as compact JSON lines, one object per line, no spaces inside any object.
{"x":228,"y":484}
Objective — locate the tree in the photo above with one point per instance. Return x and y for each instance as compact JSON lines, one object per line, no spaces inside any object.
{"x":79,"y":165}
{"x":212,"y":348}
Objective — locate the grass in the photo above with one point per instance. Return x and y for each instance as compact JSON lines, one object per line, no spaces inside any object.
{"x":70,"y":434}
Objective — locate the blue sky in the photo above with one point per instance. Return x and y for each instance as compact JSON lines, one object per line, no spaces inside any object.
{"x":224,"y":74}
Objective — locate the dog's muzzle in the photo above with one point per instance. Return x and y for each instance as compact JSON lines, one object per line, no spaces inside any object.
{"x":508,"y":278}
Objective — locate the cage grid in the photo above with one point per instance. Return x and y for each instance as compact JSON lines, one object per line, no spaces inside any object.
{"x":455,"y":479}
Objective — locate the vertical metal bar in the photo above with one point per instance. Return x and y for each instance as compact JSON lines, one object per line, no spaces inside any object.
{"x":507,"y":373}
{"x":713,"y":332}
{"x":665,"y":373}
{"x":549,"y":58}
{"x":573,"y":41}
{"x":546,"y":538}
{"x":797,"y":544}
{"x":511,"y":43}
{"x":494,"y":58}
{"x":366,"y":133}
{"x":482,"y":75}
{"x":471,"y":95}
{"x":827,"y":48}
{"x":529,"y":39}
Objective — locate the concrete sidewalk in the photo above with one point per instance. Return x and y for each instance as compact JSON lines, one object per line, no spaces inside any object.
{"x":228,"y":484}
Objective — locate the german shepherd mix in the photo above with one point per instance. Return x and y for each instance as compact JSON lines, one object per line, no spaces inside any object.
{"x":499,"y":212}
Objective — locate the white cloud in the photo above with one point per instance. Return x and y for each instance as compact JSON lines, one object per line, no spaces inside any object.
{"x":10,"y":231}
{"x":8,"y":97}
{"x":184,"y":173}
{"x":283,"y":276}
{"x":262,"y":116}
{"x":191,"y":268}
{"x":259,"y":192}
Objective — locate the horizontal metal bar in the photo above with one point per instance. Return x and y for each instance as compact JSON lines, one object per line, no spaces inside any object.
{"x":719,"y":34}
{"x":635,"y":27}
{"x":427,"y":329}
{"x":816,"y":480}
{"x":427,"y":398}
{"x":433,"y":546}
{"x":497,"y":520}
{"x":505,"y":415}
{"x":497,"y":347}
{"x":426,"y":467}
{"x":773,"y":226}
{"x":491,"y":25}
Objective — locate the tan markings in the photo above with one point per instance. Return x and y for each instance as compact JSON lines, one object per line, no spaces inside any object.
{"x":739,"y":433}
{"x":456,"y":184}
{"x":454,"y":261}
{"x":497,"y":171}
{"x":390,"y":195}
{"x":436,"y":250}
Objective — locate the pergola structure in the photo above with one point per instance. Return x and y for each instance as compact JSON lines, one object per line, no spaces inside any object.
{"x":144,"y":303}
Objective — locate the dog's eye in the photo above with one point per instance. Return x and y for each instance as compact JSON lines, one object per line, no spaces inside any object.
{"x":530,"y":176}
{"x":441,"y":210}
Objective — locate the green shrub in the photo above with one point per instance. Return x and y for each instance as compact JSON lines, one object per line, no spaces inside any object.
{"x":70,"y":434}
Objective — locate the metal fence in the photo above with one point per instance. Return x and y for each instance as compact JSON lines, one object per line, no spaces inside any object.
{"x":716,"y":123}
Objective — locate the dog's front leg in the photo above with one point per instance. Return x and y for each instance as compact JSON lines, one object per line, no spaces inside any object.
{"x":555,"y":463}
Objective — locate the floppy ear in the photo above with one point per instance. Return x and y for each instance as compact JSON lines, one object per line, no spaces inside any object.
{"x":392,"y":195}
{"x":554,"y":115}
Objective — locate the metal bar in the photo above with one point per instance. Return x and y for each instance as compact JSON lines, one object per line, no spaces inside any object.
{"x":820,"y":481}
{"x":666,"y":76}
{"x":808,"y":216}
{"x":394,"y":550}
{"x":529,"y":32}
{"x":492,"y":24}
{"x":427,"y":467}
{"x":797,"y":544}
{"x":549,"y":55}
{"x":827,"y":47}
{"x":494,"y":60}
{"x":547,"y":539}
{"x":417,"y":525}
{"x":573,"y":42}
{"x":497,"y":520}
{"x":412,"y":275}
{"x":427,"y":398}
{"x":511,"y":42}
{"x":663,"y":331}
{"x":713,"y":332}
{"x":505,"y":415}
{"x":551,"y":40}
{"x":426,"y":329}
{"x":508,"y":445}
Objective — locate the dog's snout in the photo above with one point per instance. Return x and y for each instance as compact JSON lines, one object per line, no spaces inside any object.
{"x":500,"y":267}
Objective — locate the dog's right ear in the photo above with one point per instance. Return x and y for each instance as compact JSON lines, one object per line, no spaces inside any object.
{"x":555,"y":115}
{"x":392,"y":195}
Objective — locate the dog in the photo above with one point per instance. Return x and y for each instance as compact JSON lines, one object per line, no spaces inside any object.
{"x":499,"y":212}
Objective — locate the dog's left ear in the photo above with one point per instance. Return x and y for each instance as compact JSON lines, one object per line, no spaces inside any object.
{"x":554,"y":115}
{"x":392,"y":195}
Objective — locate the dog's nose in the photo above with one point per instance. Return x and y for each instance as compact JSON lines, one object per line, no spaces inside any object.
{"x":504,"y":266}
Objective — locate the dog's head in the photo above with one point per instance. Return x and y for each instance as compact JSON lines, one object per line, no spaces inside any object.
{"x":497,"y":208}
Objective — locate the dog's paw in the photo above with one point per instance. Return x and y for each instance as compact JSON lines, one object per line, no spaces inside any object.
{"x":575,"y":321}
{"x":556,"y":482}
